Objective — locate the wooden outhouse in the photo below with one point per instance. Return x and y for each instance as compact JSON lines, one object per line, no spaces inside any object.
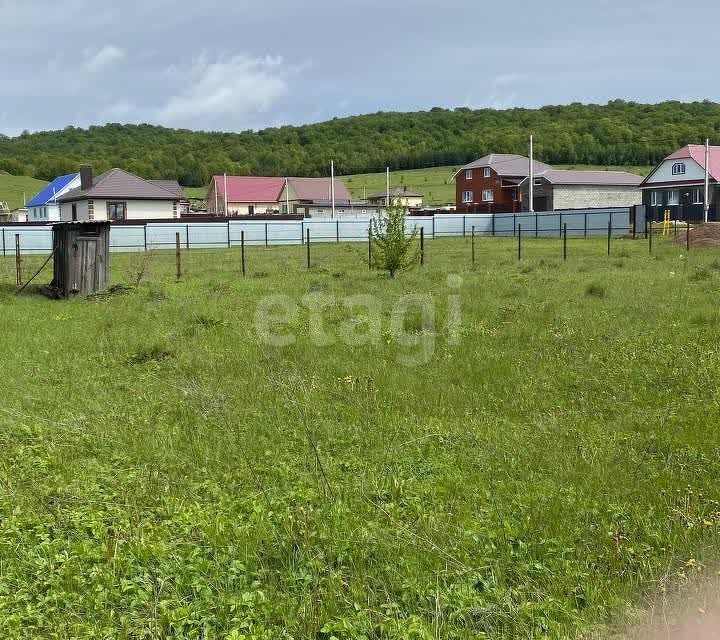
{"x":81,"y":257}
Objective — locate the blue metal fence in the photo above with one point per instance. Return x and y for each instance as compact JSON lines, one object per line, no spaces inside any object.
{"x":206,"y":235}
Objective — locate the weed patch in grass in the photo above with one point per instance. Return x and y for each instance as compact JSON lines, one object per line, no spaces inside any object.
{"x":595,"y":290}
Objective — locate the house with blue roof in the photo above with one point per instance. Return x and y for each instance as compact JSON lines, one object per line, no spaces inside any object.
{"x":44,"y":207}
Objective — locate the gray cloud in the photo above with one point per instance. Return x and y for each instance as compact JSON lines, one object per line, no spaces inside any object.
{"x":234,"y":65}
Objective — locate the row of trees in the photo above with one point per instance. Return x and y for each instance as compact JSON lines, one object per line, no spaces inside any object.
{"x":620,"y":133}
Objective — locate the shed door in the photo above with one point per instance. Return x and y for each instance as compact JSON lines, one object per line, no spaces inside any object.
{"x":85,"y":272}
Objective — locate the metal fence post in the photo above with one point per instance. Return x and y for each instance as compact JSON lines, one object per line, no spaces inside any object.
{"x":337,"y":230}
{"x":536,"y":224}
{"x":145,"y":235}
{"x":561,"y":224}
{"x":3,"y":241}
{"x":473,"y":244}
{"x":228,"y":234}
{"x":187,"y":236}
{"x":178,"y":270}
{"x":302,"y":231}
{"x":369,"y":248}
{"x":519,"y":236}
{"x":609,"y":235}
{"x":565,"y":241}
{"x":493,"y":225}
{"x":18,"y":261}
{"x":585,"y":225}
{"x":433,"y":226}
{"x":308,"y":247}
{"x":266,"y":234}
{"x":687,"y":235}
{"x":242,"y":249}
{"x":422,"y":245}
{"x":649,"y":235}
{"x":463,"y":226}
{"x":514,"y":221}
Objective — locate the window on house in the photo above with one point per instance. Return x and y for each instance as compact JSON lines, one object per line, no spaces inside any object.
{"x":656,"y":199}
{"x":116,"y":210}
{"x":697,"y":196}
{"x":467,"y":196}
{"x":486,"y":172}
{"x":673,"y":198}
{"x":487,"y":195}
{"x":468,"y":174}
{"x":678,"y":169}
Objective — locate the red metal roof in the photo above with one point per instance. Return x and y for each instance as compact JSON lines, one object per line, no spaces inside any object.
{"x":697,"y":153}
{"x":250,"y":188}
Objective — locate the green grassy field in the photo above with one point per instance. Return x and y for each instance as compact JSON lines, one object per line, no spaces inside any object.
{"x":534,"y":467}
{"x":434,"y":183}
{"x":13,"y":187}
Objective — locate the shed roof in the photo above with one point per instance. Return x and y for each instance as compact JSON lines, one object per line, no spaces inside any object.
{"x":507,"y":164}
{"x":597,"y":178}
{"x":118,"y":183}
{"x":50,"y":192}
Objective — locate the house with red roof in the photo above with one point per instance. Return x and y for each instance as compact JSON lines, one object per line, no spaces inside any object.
{"x":677,"y":184}
{"x":256,"y":195}
{"x":246,"y":195}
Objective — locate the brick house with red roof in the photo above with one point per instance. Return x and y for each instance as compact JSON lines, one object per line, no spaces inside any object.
{"x":677,"y":184}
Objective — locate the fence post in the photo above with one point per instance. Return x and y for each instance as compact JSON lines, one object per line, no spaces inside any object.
{"x":536,"y":224}
{"x":561,"y":224}
{"x":585,"y":225}
{"x":687,"y":235}
{"x":649,"y":235}
{"x":178,"y":271}
{"x":228,"y":234}
{"x":463,"y":226}
{"x":565,"y":241}
{"x":676,"y":228}
{"x":187,"y":237}
{"x":493,"y":225}
{"x":18,"y":262}
{"x":473,"y":244}
{"x":369,"y":248}
{"x":519,"y":235}
{"x":433,"y":226}
{"x":266,"y":234}
{"x":145,"y":235}
{"x":337,"y":230}
{"x":514,"y":220}
{"x":3,"y":241}
{"x":609,"y":234}
{"x":302,"y":231}
{"x":242,"y":249}
{"x":308,"y":247}
{"x":422,"y":245}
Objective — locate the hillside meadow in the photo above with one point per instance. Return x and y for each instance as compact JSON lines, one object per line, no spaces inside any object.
{"x":14,"y":188}
{"x":519,"y":450}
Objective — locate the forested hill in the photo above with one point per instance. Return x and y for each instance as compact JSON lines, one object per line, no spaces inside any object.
{"x":619,"y":133}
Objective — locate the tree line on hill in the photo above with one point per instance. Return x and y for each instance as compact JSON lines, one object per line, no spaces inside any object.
{"x":618,"y":133}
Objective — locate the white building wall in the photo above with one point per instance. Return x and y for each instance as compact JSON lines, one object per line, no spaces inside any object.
{"x":243,"y":208}
{"x":136,"y":209}
{"x":587,"y":196}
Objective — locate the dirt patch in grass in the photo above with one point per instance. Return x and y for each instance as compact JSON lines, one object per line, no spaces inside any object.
{"x":703,"y":235}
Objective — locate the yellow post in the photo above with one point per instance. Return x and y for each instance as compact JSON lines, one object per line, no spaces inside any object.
{"x":667,"y":223}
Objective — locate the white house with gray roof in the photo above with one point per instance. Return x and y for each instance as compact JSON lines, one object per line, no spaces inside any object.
{"x":569,"y":189}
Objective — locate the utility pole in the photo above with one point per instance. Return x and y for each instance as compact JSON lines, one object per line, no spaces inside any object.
{"x":532,"y":178}
{"x":707,"y":179}
{"x":225,"y":194}
{"x":332,"y":186}
{"x":287,"y":196}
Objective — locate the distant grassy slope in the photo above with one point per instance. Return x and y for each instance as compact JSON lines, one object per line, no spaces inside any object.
{"x":13,"y":187}
{"x":434,"y":183}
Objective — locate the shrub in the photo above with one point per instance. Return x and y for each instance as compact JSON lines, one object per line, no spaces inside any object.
{"x":392,"y":250}
{"x":595,"y":290}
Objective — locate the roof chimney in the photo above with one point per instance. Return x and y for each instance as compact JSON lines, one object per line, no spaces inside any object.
{"x":86,"y":177}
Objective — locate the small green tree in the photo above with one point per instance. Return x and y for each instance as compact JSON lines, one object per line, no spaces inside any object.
{"x":392,"y":250}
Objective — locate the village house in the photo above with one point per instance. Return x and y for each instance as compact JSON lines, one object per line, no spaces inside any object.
{"x":118,"y":195}
{"x":44,"y":206}
{"x":313,"y":196}
{"x":677,"y":184}
{"x":399,"y":196}
{"x":490,"y":184}
{"x":246,"y":195}
{"x":557,"y":189}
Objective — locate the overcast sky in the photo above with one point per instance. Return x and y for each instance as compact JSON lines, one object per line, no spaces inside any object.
{"x":246,"y":64}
